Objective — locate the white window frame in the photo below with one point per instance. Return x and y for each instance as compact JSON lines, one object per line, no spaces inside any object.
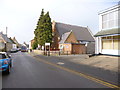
{"x":108,"y":20}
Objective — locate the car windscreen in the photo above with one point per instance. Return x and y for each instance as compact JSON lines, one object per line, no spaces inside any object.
{"x":2,"y":56}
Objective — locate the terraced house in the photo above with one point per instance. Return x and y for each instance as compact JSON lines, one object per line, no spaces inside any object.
{"x":5,"y":43}
{"x":108,"y":37}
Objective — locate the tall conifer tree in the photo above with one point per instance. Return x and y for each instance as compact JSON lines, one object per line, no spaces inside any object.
{"x":43,"y":31}
{"x":47,"y":28}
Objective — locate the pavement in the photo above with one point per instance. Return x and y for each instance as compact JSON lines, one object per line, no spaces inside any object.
{"x":101,"y":61}
{"x":38,"y":71}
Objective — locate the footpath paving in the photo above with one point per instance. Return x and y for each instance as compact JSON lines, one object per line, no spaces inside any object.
{"x":104,"y":62}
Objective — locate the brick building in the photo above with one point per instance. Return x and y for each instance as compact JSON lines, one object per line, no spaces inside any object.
{"x":72,"y":39}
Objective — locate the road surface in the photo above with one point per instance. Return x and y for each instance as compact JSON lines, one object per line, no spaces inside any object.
{"x":31,"y":72}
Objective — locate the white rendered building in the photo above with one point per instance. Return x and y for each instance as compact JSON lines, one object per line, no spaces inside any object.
{"x":108,"y":37}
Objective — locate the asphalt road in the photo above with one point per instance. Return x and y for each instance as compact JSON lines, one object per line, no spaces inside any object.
{"x":29,"y":72}
{"x":105,"y":75}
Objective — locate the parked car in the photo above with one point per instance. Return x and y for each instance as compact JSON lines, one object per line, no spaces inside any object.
{"x":5,"y":62}
{"x":18,"y":49}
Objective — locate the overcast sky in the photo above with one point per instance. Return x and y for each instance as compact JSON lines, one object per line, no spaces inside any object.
{"x":21,"y":16}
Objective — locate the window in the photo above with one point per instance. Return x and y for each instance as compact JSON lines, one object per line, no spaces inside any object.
{"x":104,"y":21}
{"x":118,"y":22}
{"x":107,"y":44}
{"x":2,"y":56}
{"x":105,"y":17}
{"x":111,"y":42}
{"x":110,"y":20}
{"x":116,"y":44}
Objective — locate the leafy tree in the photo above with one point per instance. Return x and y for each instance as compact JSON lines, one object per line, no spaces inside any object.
{"x":34,"y":45}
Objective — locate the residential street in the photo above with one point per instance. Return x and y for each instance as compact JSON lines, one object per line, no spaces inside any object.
{"x":30,"y":72}
{"x":67,"y":44}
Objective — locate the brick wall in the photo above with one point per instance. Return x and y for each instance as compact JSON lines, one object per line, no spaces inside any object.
{"x":71,"y":38}
{"x":67,"y":48}
{"x":78,"y":49}
{"x":73,"y":48}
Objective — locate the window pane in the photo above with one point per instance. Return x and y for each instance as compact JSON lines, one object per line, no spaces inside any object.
{"x":116,"y":44}
{"x":118,"y":14}
{"x":104,"y":18}
{"x":107,"y":44}
{"x":111,"y":23}
{"x":2,"y":56}
{"x":119,"y":22}
{"x":111,"y":16}
{"x":116,"y":22}
{"x":104,"y":25}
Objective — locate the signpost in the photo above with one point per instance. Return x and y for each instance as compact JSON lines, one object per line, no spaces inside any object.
{"x":47,"y":44}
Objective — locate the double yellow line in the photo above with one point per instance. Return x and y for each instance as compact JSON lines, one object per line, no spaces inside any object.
{"x":80,"y":74}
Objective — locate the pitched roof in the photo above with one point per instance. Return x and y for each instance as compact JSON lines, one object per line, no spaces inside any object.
{"x":81,"y":33}
{"x":12,"y":41}
{"x":27,"y":45}
{"x":108,"y":32}
{"x":6,"y":39}
{"x":64,"y":37}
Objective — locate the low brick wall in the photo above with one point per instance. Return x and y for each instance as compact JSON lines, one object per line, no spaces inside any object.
{"x":38,"y":52}
{"x":53,"y":53}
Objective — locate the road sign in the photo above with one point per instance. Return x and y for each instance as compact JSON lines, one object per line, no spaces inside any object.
{"x":42,"y":47}
{"x":47,"y":44}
